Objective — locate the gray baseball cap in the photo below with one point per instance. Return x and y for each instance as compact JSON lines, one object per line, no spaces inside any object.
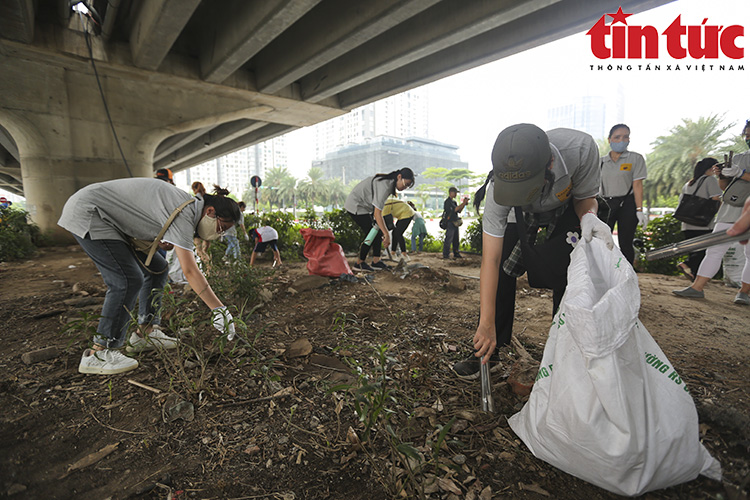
{"x":519,"y":159}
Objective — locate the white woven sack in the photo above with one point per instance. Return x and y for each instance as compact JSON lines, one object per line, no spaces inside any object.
{"x":607,"y":405}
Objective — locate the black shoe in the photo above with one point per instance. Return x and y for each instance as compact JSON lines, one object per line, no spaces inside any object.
{"x":363,"y":267}
{"x":380,"y":265}
{"x":468,"y":369}
{"x":458,"y":256}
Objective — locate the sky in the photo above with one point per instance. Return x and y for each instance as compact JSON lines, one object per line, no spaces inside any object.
{"x":469,"y":109}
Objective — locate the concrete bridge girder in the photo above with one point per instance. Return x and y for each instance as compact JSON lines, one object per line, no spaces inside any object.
{"x":65,"y":141}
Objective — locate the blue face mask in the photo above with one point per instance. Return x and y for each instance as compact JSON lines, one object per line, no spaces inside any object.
{"x":619,"y":147}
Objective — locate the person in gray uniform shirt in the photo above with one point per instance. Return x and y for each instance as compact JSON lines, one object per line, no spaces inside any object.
{"x":365,"y":205}
{"x":734,"y":179}
{"x":538,"y":180}
{"x":622,"y":177}
{"x":103,"y":217}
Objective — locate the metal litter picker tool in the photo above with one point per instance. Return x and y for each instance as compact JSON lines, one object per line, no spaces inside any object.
{"x":694,"y":244}
{"x":487,"y":404}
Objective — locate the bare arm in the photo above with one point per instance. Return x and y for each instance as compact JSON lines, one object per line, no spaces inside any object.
{"x":638,"y":193}
{"x":485,"y":339}
{"x":378,"y":214}
{"x":196,"y":279}
{"x":585,"y":205}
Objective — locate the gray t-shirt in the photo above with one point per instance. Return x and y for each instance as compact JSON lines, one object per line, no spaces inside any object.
{"x":136,"y":207}
{"x":618,"y":176}
{"x":708,"y":188}
{"x":728,"y":213}
{"x":576,"y":169}
{"x":369,"y":193}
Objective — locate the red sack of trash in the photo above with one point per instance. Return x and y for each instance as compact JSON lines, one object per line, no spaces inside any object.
{"x":324,"y":257}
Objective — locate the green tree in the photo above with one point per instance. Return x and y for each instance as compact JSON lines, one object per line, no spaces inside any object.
{"x":336,"y":192}
{"x":671,"y":162}
{"x":458,"y":175}
{"x":311,"y":190}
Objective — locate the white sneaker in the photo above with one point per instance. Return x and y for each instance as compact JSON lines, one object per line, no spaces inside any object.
{"x":106,"y":362}
{"x":154,"y":340}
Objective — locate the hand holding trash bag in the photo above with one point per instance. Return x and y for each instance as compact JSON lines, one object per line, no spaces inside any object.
{"x":593,"y":227}
{"x":223,"y":321}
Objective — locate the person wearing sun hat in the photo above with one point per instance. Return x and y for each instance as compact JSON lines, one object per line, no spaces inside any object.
{"x":548,"y":180}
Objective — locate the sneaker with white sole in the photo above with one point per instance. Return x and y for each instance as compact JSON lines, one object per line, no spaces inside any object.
{"x":106,"y":362}
{"x":154,"y":340}
{"x":742,"y":299}
{"x":468,"y":369}
{"x":380,"y":266}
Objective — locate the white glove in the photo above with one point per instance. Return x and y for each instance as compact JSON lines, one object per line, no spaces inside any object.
{"x":223,"y":321}
{"x":732,"y":171}
{"x":592,"y":227}
{"x":642,"y":219}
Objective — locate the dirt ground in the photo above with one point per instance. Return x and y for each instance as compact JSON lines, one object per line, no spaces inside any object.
{"x":259,"y":419}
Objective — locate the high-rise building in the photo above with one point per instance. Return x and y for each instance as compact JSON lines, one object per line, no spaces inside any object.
{"x":402,"y":115}
{"x":234,"y":170}
{"x":594,"y":113}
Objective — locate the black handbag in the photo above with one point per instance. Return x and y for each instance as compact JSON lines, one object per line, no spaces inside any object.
{"x":696,"y":210}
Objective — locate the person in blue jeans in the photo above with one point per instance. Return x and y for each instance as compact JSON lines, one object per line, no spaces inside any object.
{"x":102,"y":218}
{"x":233,"y":244}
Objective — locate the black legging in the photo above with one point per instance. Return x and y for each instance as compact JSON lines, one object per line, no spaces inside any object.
{"x":695,"y":258}
{"x":365,"y":223}
{"x":398,"y":234}
{"x":627,"y":221}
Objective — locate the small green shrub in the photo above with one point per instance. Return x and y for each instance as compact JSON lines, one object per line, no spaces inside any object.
{"x":347,"y":233}
{"x":18,"y":237}
{"x":659,"y":232}
{"x":473,"y":236}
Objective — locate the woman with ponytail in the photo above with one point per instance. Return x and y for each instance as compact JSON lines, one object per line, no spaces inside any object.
{"x":365,"y":205}
{"x":118,"y":224}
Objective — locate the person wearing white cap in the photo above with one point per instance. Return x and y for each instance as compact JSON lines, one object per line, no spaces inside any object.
{"x":539,"y":180}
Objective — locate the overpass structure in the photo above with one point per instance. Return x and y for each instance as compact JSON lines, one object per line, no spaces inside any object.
{"x":184,"y":81}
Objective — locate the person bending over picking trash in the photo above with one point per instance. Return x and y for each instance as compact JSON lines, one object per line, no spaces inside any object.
{"x":546,"y":180}
{"x":104,"y":218}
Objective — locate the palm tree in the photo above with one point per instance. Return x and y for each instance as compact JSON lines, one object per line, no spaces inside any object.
{"x":671,"y":162}
{"x":311,"y":189}
{"x":287,"y":191}
{"x":336,"y":192}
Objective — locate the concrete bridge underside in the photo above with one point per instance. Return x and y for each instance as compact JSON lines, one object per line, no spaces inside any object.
{"x":186,"y":81}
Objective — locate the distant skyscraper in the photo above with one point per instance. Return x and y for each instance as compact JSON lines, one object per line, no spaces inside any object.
{"x":402,"y":115}
{"x":234,"y":170}
{"x":594,"y":113}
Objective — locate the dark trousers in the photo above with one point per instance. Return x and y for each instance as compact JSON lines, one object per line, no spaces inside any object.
{"x":695,"y":258}
{"x":626,"y":220}
{"x":397,"y":236}
{"x":505,"y":299}
{"x":365,"y":223}
{"x":451,"y":238}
